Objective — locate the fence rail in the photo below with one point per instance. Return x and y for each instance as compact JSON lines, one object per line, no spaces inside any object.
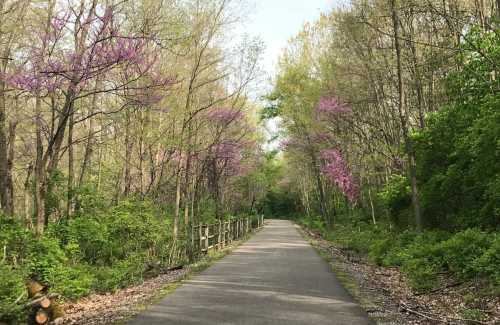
{"x":205,"y":237}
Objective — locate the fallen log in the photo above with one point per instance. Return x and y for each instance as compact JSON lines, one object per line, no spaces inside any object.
{"x":175,"y":268}
{"x":43,"y":301}
{"x":34,"y":287}
{"x":41,"y":317}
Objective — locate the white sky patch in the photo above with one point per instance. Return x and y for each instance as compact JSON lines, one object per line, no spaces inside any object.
{"x":275,"y":22}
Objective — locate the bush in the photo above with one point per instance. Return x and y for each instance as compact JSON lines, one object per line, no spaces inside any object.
{"x":422,"y":256}
{"x":462,"y":249}
{"x":72,"y":282}
{"x":488,"y":263}
{"x":396,"y":198}
{"x":127,"y":272}
{"x":45,"y":257}
{"x":11,"y":289}
{"x":92,"y":237}
{"x":422,"y":275}
{"x":16,"y":239}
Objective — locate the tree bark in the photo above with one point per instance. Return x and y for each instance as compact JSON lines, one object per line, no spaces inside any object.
{"x":403,"y":116}
{"x":39,"y":172}
{"x":71,"y":167}
{"x":5,"y":194}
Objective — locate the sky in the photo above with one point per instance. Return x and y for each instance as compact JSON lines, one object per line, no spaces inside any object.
{"x":276,"y":21}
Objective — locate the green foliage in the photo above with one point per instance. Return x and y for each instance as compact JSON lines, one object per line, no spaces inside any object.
{"x":86,"y":238}
{"x":97,"y":252}
{"x":396,"y":197}
{"x":15,"y":238}
{"x":458,"y":151}
{"x":462,"y":249}
{"x":56,"y":192}
{"x":421,"y":275}
{"x":423,"y":256}
{"x":487,"y":264}
{"x":12,"y":289}
{"x":123,"y":273}
{"x":46,"y":258}
{"x":473,"y":313}
{"x":90,"y":201}
{"x":72,"y":282}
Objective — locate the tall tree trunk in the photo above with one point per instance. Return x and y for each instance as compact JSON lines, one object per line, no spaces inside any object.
{"x":89,"y":145}
{"x":10,"y":164}
{"x":39,"y":172}
{"x":27,"y":198}
{"x":128,"y":156}
{"x":71,"y":167}
{"x":177,"y":200}
{"x":5,"y":199}
{"x":403,"y":116}
{"x":321,"y":190}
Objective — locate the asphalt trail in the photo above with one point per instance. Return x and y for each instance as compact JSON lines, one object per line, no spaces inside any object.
{"x":274,"y":278}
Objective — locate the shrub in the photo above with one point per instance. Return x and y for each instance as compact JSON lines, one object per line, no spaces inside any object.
{"x":462,"y":249}
{"x":422,"y":275}
{"x":72,"y":282}
{"x":92,"y":237}
{"x":12,"y":288}
{"x":16,"y":239}
{"x":488,"y":263}
{"x":396,"y":198}
{"x":126,"y":272}
{"x":380,"y":249}
{"x":45,"y":257}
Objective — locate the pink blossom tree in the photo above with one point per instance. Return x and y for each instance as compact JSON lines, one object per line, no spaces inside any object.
{"x":332,"y":106}
{"x":337,"y":171}
{"x":79,"y":53}
{"x":224,"y":115}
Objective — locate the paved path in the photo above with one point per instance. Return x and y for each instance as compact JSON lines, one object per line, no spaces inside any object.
{"x":274,"y":278}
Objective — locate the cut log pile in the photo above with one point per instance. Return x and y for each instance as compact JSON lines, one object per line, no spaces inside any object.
{"x":43,"y":307}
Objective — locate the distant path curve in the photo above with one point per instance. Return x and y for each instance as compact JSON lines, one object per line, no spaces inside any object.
{"x":274,"y":278}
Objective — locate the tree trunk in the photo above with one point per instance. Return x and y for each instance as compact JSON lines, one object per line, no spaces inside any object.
{"x":177,"y":200}
{"x":39,"y":172}
{"x":128,"y":156}
{"x":5,"y":199}
{"x":27,"y":197}
{"x":71,"y":169}
{"x":10,"y":163}
{"x":89,"y":146}
{"x":321,"y":190}
{"x":403,"y":116}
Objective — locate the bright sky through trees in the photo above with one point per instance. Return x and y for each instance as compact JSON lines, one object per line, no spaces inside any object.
{"x":276,"y":21}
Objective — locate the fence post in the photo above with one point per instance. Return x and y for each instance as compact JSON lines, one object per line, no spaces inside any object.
{"x":192,"y":249}
{"x":200,"y":239}
{"x":219,"y":235}
{"x":207,"y":233}
{"x":223,"y":234}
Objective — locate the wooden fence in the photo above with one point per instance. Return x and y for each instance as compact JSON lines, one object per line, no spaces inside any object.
{"x":205,"y":237}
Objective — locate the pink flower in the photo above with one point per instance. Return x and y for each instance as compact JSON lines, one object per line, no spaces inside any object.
{"x":335,"y":168}
{"x":224,"y":115}
{"x":332,"y":106}
{"x":228,"y":156}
